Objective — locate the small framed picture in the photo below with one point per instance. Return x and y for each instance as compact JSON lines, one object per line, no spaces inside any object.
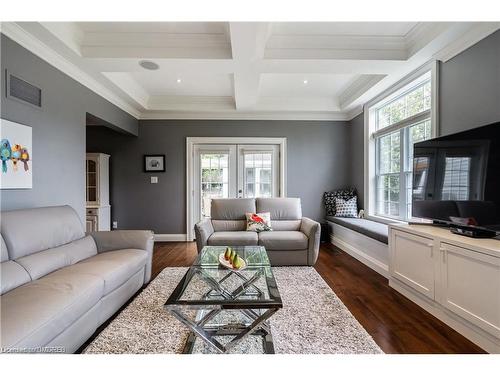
{"x":154,"y":163}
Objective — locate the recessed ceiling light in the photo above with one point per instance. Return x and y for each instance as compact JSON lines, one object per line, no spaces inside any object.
{"x":305,"y":82}
{"x":179,"y":80}
{"x":149,"y":65}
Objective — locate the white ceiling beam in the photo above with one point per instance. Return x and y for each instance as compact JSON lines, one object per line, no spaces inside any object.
{"x":128,"y":65}
{"x":332,"y":66}
{"x":248,"y":43}
{"x":155,"y":45}
{"x":345,"y":47}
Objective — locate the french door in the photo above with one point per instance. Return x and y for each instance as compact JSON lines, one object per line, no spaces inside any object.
{"x":233,"y":171}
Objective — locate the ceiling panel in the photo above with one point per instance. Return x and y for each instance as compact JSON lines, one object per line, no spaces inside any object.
{"x":292,"y":85}
{"x":193,"y":84}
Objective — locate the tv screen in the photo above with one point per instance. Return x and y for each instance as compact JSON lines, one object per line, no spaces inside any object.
{"x":456,"y":179}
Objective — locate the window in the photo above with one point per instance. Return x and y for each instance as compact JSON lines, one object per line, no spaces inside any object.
{"x":395,"y":123}
{"x":214,"y":179}
{"x":258,"y":174}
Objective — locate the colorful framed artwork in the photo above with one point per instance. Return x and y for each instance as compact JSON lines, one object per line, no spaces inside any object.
{"x":154,"y":163}
{"x":16,"y":156}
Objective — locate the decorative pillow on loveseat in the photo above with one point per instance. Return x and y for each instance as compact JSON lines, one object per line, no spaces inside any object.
{"x":260,"y":222}
{"x":330,"y":196}
{"x":346,"y":208}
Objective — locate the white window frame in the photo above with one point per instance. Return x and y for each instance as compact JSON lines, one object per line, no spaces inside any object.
{"x":370,"y":160}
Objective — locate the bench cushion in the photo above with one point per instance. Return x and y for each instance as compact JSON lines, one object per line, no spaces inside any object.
{"x":369,"y":228}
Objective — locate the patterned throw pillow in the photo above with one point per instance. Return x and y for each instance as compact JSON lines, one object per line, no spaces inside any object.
{"x":346,"y":208}
{"x":330,"y":196}
{"x":260,"y":222}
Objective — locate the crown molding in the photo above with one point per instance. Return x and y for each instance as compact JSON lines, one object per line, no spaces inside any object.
{"x":34,"y":45}
{"x":255,"y":115}
{"x":472,"y":36}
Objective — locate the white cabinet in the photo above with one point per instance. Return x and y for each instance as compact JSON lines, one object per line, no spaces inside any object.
{"x":471,"y":286}
{"x":97,"y":192}
{"x":455,"y":278}
{"x":412,"y":261}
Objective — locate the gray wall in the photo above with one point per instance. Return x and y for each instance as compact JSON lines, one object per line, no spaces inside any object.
{"x":470,"y":87}
{"x":318,"y":154}
{"x":469,"y":97}
{"x":356,"y":176}
{"x":58,"y":130}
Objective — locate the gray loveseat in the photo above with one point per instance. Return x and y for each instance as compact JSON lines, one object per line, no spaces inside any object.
{"x":294,"y":239}
{"x":59,"y":285}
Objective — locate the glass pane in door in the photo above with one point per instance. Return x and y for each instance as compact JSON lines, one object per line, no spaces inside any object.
{"x":258,"y":174}
{"x":214,"y":179}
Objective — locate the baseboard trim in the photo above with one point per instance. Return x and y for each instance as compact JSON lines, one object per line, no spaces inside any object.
{"x":367,"y":260}
{"x":170,"y":237}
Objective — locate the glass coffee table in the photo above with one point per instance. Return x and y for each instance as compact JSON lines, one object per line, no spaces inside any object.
{"x":222,"y":306}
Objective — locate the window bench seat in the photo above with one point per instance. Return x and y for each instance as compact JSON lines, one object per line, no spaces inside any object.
{"x":366,"y":240}
{"x":369,"y":228}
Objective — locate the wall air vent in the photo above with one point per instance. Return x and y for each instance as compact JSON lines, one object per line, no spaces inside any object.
{"x":19,"y":89}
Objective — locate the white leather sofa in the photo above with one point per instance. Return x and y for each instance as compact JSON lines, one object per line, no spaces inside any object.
{"x":58,"y":285}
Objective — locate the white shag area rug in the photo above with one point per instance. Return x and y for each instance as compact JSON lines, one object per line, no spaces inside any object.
{"x":313,"y":320}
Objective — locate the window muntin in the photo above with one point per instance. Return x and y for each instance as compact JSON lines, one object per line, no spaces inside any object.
{"x":409,"y":115}
{"x":214,"y":179}
{"x":258,"y":174}
{"x":411,"y":103}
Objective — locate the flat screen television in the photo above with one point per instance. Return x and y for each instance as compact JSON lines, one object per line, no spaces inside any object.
{"x":456,"y":181}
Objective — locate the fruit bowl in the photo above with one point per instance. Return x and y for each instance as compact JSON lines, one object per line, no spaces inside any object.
{"x":227,"y":264}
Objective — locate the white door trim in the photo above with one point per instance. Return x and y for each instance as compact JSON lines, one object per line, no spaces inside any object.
{"x":192,"y":141}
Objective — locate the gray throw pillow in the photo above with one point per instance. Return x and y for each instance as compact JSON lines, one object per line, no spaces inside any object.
{"x":346,"y":207}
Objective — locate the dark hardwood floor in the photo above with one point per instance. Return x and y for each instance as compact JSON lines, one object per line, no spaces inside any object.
{"x":396,"y":324}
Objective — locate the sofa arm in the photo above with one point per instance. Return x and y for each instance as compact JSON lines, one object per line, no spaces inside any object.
{"x":203,"y":230}
{"x":127,"y":239}
{"x":312,"y":229}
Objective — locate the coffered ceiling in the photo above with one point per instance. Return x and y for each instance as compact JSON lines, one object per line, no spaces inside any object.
{"x":217,"y":70}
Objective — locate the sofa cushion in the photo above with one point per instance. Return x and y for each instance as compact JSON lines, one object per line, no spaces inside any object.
{"x":290,"y":225}
{"x":32,"y":230}
{"x":12,"y":275}
{"x":233,"y":239}
{"x":44,"y":262}
{"x":231,"y":209}
{"x":114,"y":267}
{"x":35,"y":313}
{"x":283,"y":240}
{"x":229,"y":225}
{"x":369,"y":228}
{"x":280,"y":208}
